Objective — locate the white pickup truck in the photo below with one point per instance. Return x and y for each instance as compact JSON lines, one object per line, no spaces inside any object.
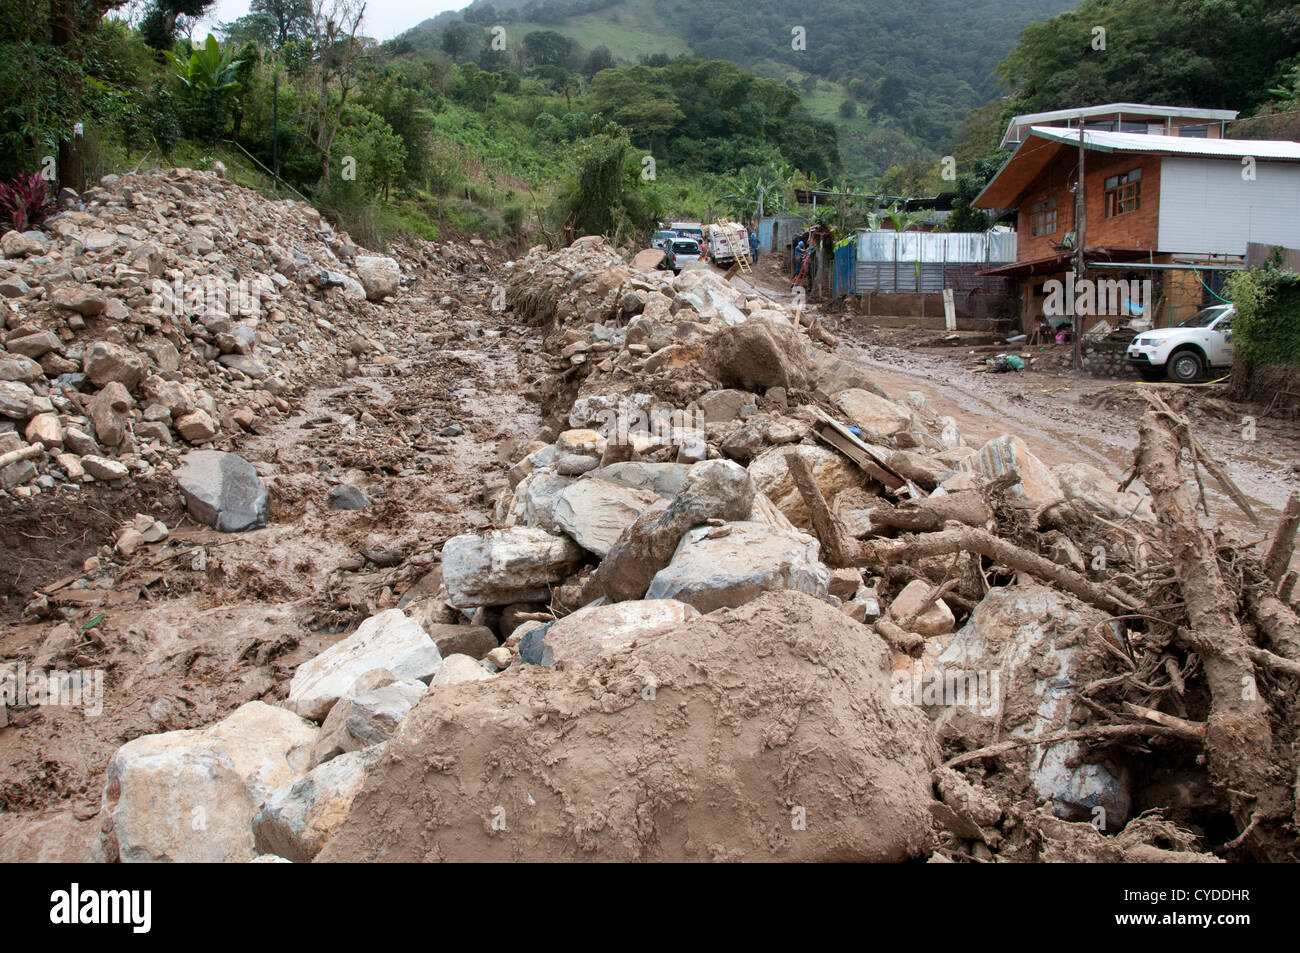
{"x":1183,"y":353}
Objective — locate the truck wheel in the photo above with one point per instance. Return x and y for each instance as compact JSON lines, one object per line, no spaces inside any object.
{"x":1184,"y":366}
{"x":1149,"y":373}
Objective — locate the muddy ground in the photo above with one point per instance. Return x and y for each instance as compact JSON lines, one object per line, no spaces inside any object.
{"x":188,"y":630}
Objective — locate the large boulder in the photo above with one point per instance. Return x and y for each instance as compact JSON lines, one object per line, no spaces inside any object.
{"x":535,"y":497}
{"x":501,"y":566}
{"x":367,"y":716}
{"x":84,"y":299}
{"x":832,"y":472}
{"x":380,"y":276}
{"x":15,"y":399}
{"x":110,"y":412}
{"x":388,"y":640}
{"x":832,"y":375}
{"x":1098,"y":492}
{"x":714,"y":489}
{"x":594,"y":512}
{"x":873,"y":413}
{"x":222,"y":490}
{"x":630,"y":565}
{"x":710,"y":571}
{"x":709,"y":742}
{"x":105,"y":361}
{"x":757,"y":355}
{"x":191,"y":796}
{"x":34,"y":345}
{"x":299,"y":818}
{"x":582,"y":635}
{"x":665,"y":479}
{"x":1012,"y":671}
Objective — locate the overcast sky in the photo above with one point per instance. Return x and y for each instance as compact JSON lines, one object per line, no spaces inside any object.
{"x":384,"y":18}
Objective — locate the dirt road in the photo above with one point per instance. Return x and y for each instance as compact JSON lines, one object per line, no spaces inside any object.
{"x":1065,"y":417}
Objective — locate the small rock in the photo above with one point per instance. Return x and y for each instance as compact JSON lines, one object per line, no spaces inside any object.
{"x":104,"y":469}
{"x":346,"y":497}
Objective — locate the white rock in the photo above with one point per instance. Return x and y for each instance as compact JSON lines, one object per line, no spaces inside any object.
{"x":873,"y":413}
{"x":731,"y":570}
{"x":585,"y":634}
{"x":388,"y":640}
{"x":380,"y":276}
{"x":498,"y":567}
{"x":459,"y":668}
{"x":299,"y":818}
{"x":1010,"y":454}
{"x":190,"y":796}
{"x":595,"y":512}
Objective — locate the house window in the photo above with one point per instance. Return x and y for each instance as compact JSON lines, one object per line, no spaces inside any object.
{"x":1123,"y":193}
{"x":1042,"y":217}
{"x":1194,"y":132}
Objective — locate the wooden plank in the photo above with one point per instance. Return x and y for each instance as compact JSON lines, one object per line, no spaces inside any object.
{"x":852,"y":448}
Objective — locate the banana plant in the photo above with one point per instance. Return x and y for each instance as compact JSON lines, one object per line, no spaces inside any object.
{"x":208,"y":71}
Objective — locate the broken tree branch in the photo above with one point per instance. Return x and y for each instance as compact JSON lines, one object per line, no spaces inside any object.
{"x":26,"y":453}
{"x":823,"y":520}
{"x":1191,"y":730}
{"x":1278,"y":556}
{"x":899,"y":639}
{"x":1238,"y":737}
{"x":1099,"y":733}
{"x":880,"y":553}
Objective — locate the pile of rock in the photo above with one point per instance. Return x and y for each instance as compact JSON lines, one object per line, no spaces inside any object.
{"x":664,"y":533}
{"x":670,"y":492}
{"x":167,"y":310}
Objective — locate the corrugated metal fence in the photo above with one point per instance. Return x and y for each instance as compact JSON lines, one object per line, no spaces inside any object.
{"x":926,"y":261}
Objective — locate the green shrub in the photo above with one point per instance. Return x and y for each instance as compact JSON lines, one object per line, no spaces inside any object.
{"x":1266,"y":329}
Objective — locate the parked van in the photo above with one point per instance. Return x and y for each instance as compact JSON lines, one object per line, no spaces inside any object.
{"x":721,"y":251}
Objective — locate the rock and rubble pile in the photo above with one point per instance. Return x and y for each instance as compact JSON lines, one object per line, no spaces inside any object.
{"x":742,"y":587}
{"x":167,"y":311}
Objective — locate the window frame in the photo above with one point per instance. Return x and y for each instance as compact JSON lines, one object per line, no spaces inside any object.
{"x":1043,"y":214}
{"x":1123,"y":193}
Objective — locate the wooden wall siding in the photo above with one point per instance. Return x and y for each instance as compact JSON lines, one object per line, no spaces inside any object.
{"x":1138,"y":229}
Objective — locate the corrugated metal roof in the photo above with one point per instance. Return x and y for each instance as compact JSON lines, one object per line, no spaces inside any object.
{"x":1018,"y":124}
{"x":1265,"y":149}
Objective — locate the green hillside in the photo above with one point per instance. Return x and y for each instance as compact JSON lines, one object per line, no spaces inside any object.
{"x":897,"y":81}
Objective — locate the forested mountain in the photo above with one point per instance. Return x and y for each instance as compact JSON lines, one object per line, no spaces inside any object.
{"x":898,"y":80}
{"x":1210,"y":53}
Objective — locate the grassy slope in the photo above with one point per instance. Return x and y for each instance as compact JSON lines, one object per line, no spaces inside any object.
{"x":629,"y":30}
{"x":633,"y":28}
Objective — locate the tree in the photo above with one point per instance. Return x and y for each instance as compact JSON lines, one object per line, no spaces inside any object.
{"x":334,"y":40}
{"x":458,"y":39}
{"x":211,"y":79}
{"x":598,"y":59}
{"x":606,"y":194}
{"x":475,"y":87}
{"x":274,"y":23}
{"x":71,"y":22}
{"x":162,"y":18}
{"x":548,"y":48}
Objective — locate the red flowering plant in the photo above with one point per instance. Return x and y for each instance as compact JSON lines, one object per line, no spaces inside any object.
{"x":24,"y":201}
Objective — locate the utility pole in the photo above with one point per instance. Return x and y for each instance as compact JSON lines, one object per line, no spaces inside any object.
{"x":1080,"y":266}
